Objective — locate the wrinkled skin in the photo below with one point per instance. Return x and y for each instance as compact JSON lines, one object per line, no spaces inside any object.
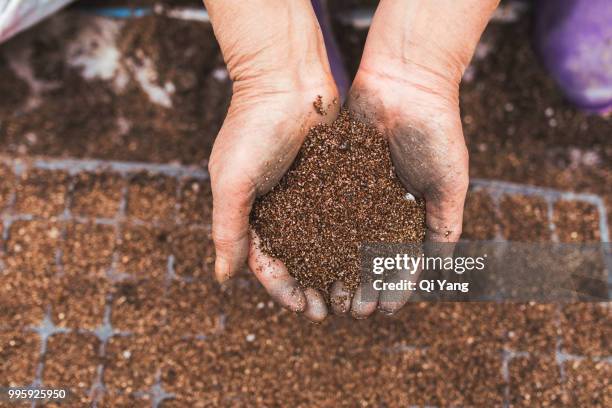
{"x":278,"y":66}
{"x":427,"y":148}
{"x":258,"y":142}
{"x":407,"y":86}
{"x":423,"y":129}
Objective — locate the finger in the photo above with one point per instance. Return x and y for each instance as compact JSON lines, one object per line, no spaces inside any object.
{"x":364,"y":301}
{"x":316,"y":309}
{"x":232,"y":202}
{"x":273,"y":275}
{"x":391,"y":300}
{"x":340,"y":298}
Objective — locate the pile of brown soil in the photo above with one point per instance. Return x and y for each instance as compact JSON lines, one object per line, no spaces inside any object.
{"x":341,"y":192}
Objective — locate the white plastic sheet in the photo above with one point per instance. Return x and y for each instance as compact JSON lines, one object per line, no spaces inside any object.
{"x":17,"y":15}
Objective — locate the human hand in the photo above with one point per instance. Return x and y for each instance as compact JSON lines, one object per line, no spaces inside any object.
{"x":275,"y":82}
{"x":259,"y":140}
{"x":423,"y":129}
{"x":408,"y":87}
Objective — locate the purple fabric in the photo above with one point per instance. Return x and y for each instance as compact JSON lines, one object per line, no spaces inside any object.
{"x":333,"y":51}
{"x":574,"y":38}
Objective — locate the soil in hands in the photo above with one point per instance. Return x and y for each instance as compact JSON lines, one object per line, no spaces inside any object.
{"x":341,"y":192}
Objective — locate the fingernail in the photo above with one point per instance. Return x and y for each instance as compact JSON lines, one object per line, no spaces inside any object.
{"x":386,"y":312}
{"x":358,"y":316}
{"x":362,"y":310}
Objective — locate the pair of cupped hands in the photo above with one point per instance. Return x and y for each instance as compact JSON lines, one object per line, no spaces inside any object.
{"x":413,"y":102}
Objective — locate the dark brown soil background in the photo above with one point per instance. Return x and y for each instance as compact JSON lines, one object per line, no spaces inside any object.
{"x":112,"y":116}
{"x":131,"y":250}
{"x":341,"y":192}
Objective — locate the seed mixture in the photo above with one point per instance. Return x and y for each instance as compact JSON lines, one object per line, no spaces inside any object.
{"x":340,"y":193}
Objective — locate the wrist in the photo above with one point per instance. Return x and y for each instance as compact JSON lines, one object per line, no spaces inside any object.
{"x":436,"y":39}
{"x":271,"y":44}
{"x":419,"y":79}
{"x":294,"y":78}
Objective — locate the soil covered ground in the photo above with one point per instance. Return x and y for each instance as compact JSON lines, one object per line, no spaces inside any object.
{"x":106,"y":255}
{"x":154,"y":89}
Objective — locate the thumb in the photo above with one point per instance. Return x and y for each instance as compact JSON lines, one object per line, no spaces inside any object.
{"x":232,"y":202}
